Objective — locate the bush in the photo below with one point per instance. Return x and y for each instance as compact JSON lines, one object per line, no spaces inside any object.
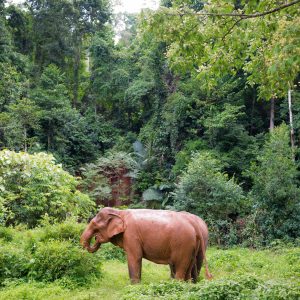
{"x":55,"y":260}
{"x":14,"y":262}
{"x":205,"y":190}
{"x":242,"y":287}
{"x":223,"y":232}
{"x":49,"y":253}
{"x":6,"y":233}
{"x":69,"y":230}
{"x":33,"y":186}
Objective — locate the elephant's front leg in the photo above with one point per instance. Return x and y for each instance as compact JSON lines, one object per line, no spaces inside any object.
{"x":134,"y":267}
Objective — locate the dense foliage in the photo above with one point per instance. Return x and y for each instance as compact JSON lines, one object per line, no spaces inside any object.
{"x":50,"y":253}
{"x":33,"y":186}
{"x":184,"y":108}
{"x":231,"y":288}
{"x":266,"y":274}
{"x":276,"y":187}
{"x":98,"y":177}
{"x":204,"y":190}
{"x":180,"y":101}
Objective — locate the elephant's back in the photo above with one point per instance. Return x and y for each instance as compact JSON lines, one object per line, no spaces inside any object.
{"x":156,"y":217}
{"x":161,"y":233}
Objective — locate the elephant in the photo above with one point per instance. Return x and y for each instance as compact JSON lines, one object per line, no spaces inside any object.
{"x":161,"y":236}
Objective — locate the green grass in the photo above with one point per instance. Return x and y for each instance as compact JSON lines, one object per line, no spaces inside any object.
{"x":280,"y":265}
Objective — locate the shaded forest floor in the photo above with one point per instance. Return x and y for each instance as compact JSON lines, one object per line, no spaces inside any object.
{"x":280,"y":265}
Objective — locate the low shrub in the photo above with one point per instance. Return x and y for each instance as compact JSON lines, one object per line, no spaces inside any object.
{"x":6,"y":233}
{"x":242,"y":287}
{"x":69,"y":230}
{"x":225,"y":289}
{"x":226,"y":260}
{"x":163,"y":290}
{"x":33,"y":291}
{"x":14,"y":263}
{"x":49,"y":253}
{"x":55,"y":260}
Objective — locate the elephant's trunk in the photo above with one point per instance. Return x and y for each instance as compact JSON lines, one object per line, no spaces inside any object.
{"x":85,"y":241}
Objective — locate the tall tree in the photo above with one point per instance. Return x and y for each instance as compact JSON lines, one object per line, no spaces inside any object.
{"x":88,"y":17}
{"x":276,"y":187}
{"x":62,"y":31}
{"x":51,"y":95}
{"x":19,"y":123}
{"x":226,"y":37}
{"x":20,"y":25}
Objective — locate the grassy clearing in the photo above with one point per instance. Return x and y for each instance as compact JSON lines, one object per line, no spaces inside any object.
{"x":277,"y":265}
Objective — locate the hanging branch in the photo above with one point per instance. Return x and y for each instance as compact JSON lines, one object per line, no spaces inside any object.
{"x":241,"y":16}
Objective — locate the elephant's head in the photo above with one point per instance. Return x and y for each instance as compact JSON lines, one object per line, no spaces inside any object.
{"x":106,"y":224}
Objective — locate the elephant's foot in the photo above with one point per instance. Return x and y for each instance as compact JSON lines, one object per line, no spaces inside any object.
{"x":135,"y":280}
{"x":172,"y":271}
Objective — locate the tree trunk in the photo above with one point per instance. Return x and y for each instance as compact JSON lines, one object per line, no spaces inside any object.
{"x":48,"y":141}
{"x":49,"y":136}
{"x":76,"y":78}
{"x":291,"y":118}
{"x":252,"y":111}
{"x":272,"y":112}
{"x":25,"y":139}
{"x":76,"y":70}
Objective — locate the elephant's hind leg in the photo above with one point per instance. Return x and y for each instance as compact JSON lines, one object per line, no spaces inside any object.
{"x":191,"y":269}
{"x":184,"y":269}
{"x":199,"y":262}
{"x":194,"y":273}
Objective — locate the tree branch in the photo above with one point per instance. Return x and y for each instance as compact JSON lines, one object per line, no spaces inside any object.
{"x":231,"y":28}
{"x":241,"y":16}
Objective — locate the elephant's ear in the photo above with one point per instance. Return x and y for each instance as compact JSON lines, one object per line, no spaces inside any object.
{"x":115,"y":225}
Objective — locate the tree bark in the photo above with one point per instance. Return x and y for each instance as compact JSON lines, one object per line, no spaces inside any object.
{"x":291,"y":118}
{"x":252,"y":111}
{"x":48,"y":136}
{"x":25,"y":139}
{"x":76,"y":77}
{"x":272,"y":113}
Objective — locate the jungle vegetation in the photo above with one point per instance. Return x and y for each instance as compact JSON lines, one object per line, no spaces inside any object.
{"x":197,"y":103}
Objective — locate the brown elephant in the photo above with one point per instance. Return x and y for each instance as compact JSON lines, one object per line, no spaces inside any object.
{"x":161,"y":236}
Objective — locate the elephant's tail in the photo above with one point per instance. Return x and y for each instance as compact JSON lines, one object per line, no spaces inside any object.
{"x":208,"y":275}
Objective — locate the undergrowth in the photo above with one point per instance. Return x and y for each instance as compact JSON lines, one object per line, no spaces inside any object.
{"x":49,"y":263}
